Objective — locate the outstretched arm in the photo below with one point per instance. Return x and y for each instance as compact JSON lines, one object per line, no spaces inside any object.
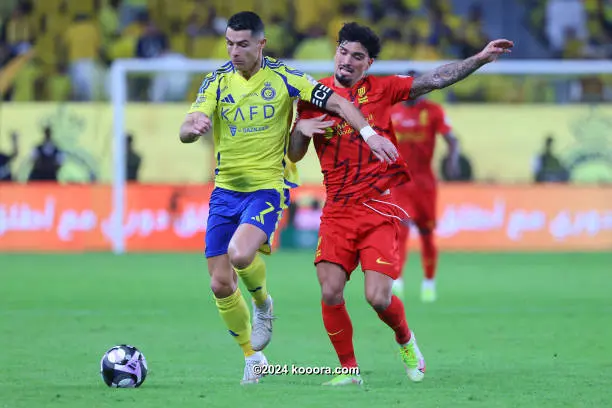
{"x":449,"y":74}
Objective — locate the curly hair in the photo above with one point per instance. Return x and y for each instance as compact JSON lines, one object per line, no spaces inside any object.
{"x":353,"y":32}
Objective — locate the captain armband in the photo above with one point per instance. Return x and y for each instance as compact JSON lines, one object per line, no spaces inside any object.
{"x":320,"y":95}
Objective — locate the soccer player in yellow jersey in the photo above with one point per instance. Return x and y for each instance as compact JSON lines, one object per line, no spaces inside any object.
{"x":248,"y":102}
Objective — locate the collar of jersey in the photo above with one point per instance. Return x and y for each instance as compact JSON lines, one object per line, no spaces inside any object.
{"x":262,"y":67}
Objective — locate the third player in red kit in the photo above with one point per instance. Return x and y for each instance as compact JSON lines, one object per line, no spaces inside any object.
{"x":361,"y":222}
{"x":417,"y":123}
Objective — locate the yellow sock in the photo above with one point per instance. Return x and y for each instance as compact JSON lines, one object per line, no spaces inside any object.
{"x":254,"y":278}
{"x":235,"y":313}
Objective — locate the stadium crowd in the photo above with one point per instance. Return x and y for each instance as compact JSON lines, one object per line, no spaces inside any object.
{"x":61,"y":50}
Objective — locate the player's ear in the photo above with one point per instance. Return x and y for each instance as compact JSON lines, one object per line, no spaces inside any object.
{"x":263,"y":42}
{"x":370,"y":62}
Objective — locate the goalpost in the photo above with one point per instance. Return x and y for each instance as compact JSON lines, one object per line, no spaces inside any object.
{"x":122,"y":68}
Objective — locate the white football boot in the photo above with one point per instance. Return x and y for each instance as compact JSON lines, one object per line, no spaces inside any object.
{"x":262,"y":325}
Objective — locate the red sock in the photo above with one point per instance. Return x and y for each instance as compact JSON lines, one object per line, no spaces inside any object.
{"x":429,"y":255}
{"x":403,"y":247}
{"x":395,"y":317}
{"x":340,"y":331}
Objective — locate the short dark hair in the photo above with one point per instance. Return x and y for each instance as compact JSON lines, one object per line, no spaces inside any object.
{"x":353,"y":32}
{"x":246,"y":20}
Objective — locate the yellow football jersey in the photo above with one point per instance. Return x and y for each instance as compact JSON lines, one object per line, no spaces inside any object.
{"x":252,"y":122}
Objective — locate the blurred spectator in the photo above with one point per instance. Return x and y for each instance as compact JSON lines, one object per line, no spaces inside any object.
{"x":204,"y":33}
{"x":19,"y":31}
{"x":129,"y":10}
{"x":5,"y":54}
{"x":213,"y":25}
{"x":83,"y":44}
{"x":6,"y":159}
{"x":312,"y":12}
{"x":152,"y":44}
{"x":394,"y":47}
{"x":280,"y":40}
{"x":133,"y":160}
{"x":170,"y":86}
{"x":410,"y":29}
{"x":573,"y":47}
{"x":547,"y":167}
{"x":47,"y":159}
{"x":109,"y":21}
{"x":440,"y":32}
{"x":58,"y":84}
{"x":316,"y":46}
{"x":423,"y":49}
{"x":349,"y":11}
{"x":137,"y":26}
{"x":561,"y":15}
{"x":55,"y":20}
{"x":599,"y":28}
{"x":471,"y":37}
{"x":26,"y":83}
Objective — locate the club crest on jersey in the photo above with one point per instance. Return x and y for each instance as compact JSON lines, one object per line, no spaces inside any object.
{"x":268,"y":93}
{"x":232,"y":130}
{"x":361,"y":93}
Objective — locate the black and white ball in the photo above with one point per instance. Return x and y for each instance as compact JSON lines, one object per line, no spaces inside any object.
{"x":123,"y":366}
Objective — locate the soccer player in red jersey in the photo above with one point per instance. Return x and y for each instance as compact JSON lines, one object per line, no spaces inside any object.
{"x":361,"y":222}
{"x":417,"y":122}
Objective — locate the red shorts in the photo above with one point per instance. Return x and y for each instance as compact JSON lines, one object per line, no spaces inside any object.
{"x":366,"y":233}
{"x":420,"y":200}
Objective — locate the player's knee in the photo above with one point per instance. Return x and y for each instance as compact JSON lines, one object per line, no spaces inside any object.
{"x":332,"y":294}
{"x":378,"y":298}
{"x":223,"y":287}
{"x":239,"y":257}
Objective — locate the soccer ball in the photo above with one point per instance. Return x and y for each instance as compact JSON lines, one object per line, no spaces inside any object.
{"x":123,"y":366}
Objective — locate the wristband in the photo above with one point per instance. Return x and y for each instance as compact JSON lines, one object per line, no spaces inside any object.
{"x":367,"y":132}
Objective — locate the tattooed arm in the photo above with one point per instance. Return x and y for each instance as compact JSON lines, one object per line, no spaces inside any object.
{"x":449,"y":74}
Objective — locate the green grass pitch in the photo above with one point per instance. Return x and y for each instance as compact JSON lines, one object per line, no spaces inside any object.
{"x":508,"y":330}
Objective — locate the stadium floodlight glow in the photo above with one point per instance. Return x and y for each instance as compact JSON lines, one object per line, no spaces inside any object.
{"x":121,"y":68}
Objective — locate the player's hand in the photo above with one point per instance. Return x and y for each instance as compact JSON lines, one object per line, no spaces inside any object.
{"x":452,"y":168}
{"x":195,"y":125}
{"x":383,"y":148}
{"x":496,"y":48}
{"x":200,"y":123}
{"x":314,"y":126}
